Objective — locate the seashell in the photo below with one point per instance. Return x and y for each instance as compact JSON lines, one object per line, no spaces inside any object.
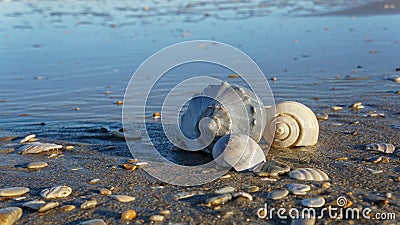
{"x":10,"y":215}
{"x":94,"y":222}
{"x":313,"y":202}
{"x":27,"y":138}
{"x":326,"y":185}
{"x":385,"y":148}
{"x":237,"y":151}
{"x":123,"y":198}
{"x":35,"y":204}
{"x":157,"y":218}
{"x":37,"y":165}
{"x":307,"y":219}
{"x":129,"y":214}
{"x":89,"y":204}
{"x":225,"y":190}
{"x":252,"y":189}
{"x":48,"y":206}
{"x":336,"y":108}
{"x":291,"y":124}
{"x":278,"y":194}
{"x":219,"y":199}
{"x":38,"y":147}
{"x":243,"y":195}
{"x":56,"y":192}
{"x":220,"y":110}
{"x":67,"y":208}
{"x":308,"y":174}
{"x":271,"y":168}
{"x":13,"y":191}
{"x":322,"y":116}
{"x":298,"y":189}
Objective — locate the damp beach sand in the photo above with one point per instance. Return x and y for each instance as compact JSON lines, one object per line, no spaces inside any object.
{"x":61,"y":86}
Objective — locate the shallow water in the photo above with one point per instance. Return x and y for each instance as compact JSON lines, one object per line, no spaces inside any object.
{"x":60,"y":56}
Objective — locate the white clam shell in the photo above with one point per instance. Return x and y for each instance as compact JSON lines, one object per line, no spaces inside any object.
{"x":56,"y":192}
{"x":38,"y":147}
{"x":291,"y":124}
{"x":385,"y":148}
{"x":237,"y":151}
{"x":10,"y":215}
{"x":308,"y":174}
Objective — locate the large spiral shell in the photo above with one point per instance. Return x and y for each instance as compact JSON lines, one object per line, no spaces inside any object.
{"x":220,"y":110}
{"x":291,"y":124}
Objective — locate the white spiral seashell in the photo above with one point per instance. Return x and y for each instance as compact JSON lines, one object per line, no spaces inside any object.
{"x":238,"y":151}
{"x":291,"y":124}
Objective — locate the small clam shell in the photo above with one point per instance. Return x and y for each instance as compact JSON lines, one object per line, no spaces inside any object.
{"x":271,"y":168}
{"x":385,"y":148}
{"x":13,"y":191}
{"x":9,"y":216}
{"x":356,"y":106}
{"x":56,"y":192}
{"x":35,"y":204}
{"x":105,"y":191}
{"x":129,"y":214}
{"x":313,"y":202}
{"x":243,"y":195}
{"x":94,"y":222}
{"x":123,"y":198}
{"x":48,"y":206}
{"x":38,"y":147}
{"x":278,"y":194}
{"x":225,"y":190}
{"x":298,"y":189}
{"x":309,"y":174}
{"x":219,"y":199}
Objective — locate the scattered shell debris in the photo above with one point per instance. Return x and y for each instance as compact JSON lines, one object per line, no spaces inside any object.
{"x":38,"y":147}
{"x":56,"y":192}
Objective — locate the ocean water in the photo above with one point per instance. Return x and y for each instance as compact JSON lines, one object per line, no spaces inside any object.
{"x":58,"y":56}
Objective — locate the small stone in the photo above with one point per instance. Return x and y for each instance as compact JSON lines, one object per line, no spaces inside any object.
{"x":252,"y":189}
{"x":123,"y":198}
{"x":94,"y":222}
{"x":313,"y":202}
{"x":278,"y":194}
{"x":157,"y":218}
{"x":322,"y":116}
{"x":37,"y":165}
{"x":105,"y":191}
{"x":129,"y":166}
{"x":298,"y":189}
{"x":342,"y":159}
{"x":225,"y":190}
{"x":357,"y":106}
{"x":119,"y":102}
{"x":129,"y":214}
{"x":156,"y":115}
{"x":69,"y":147}
{"x":89,"y":204}
{"x":35,"y":204}
{"x":13,"y":191}
{"x":165,"y":212}
{"x":274,"y":79}
{"x":56,"y":192}
{"x":10,"y":215}
{"x":271,"y":168}
{"x":67,"y":208}
{"x":48,"y":206}
{"x":94,"y":181}
{"x":326,"y":185}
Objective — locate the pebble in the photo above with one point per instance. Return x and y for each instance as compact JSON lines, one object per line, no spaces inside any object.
{"x":56,"y":192}
{"x":383,"y":147}
{"x":27,"y":138}
{"x":322,"y":116}
{"x":37,"y":165}
{"x":94,"y":222}
{"x":157,"y":218}
{"x":156,"y":115}
{"x":233,"y":76}
{"x":67,"y":208}
{"x":271,"y":168}
{"x":94,"y":181}
{"x":89,"y":204}
{"x":119,"y":102}
{"x":308,"y":174}
{"x":129,"y":214}
{"x":225,"y":190}
{"x":165,"y":212}
{"x":313,"y":202}
{"x":129,"y":166}
{"x":219,"y":199}
{"x":38,"y":147}
{"x":69,"y":147}
{"x":326,"y":185}
{"x":298,"y":189}
{"x":105,"y":191}
{"x":48,"y":206}
{"x":13,"y":191}
{"x":357,"y":106}
{"x":242,"y":195}
{"x":252,"y":189}
{"x":278,"y":194}
{"x":123,"y":198}
{"x":35,"y":204}
{"x":10,"y":215}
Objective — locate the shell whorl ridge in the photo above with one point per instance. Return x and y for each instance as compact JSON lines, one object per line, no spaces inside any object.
{"x":238,"y":151}
{"x":228,"y":108}
{"x":291,"y":124}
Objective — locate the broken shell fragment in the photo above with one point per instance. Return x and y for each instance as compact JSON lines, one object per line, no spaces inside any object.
{"x":10,"y":215}
{"x":56,"y":192}
{"x":28,"y":138}
{"x":13,"y":191}
{"x":291,"y":124}
{"x":385,"y":148}
{"x":219,"y":199}
{"x":38,"y":147}
{"x":48,"y":206}
{"x":35,"y":204}
{"x":271,"y":168}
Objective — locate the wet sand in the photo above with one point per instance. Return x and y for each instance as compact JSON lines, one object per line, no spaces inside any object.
{"x":97,"y":154}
